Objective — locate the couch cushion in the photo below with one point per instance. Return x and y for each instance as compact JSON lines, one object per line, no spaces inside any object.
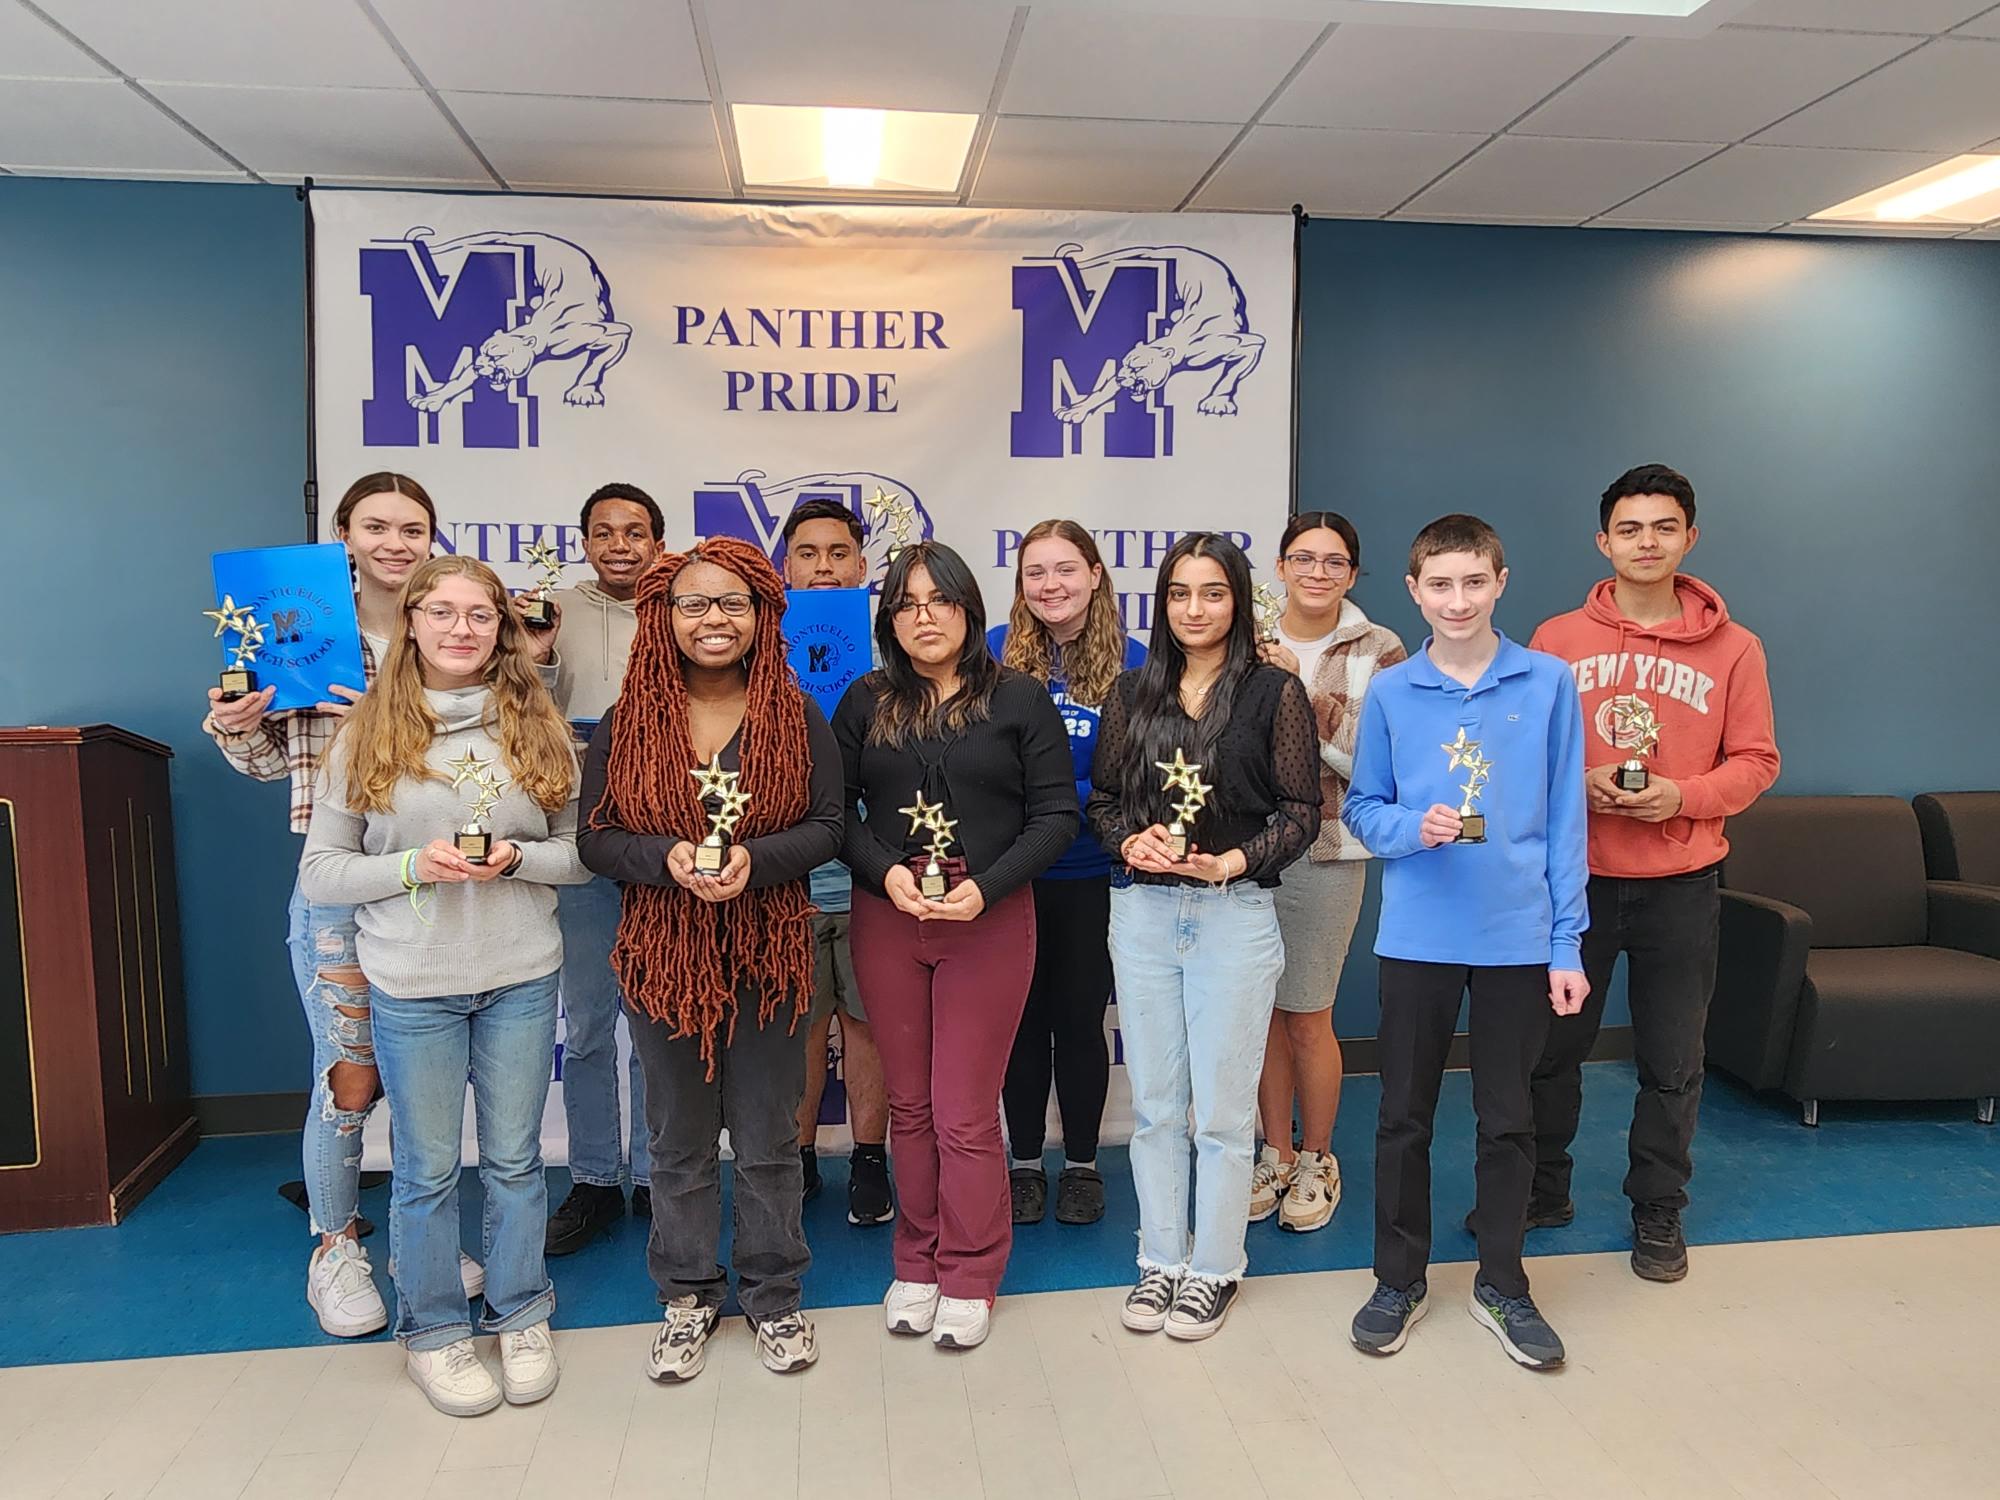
{"x":1897,"y":1023}
{"x":1961,"y":835}
{"x":1856,"y":864}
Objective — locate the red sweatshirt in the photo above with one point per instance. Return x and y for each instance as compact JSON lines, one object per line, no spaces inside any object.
{"x":1703,"y":675}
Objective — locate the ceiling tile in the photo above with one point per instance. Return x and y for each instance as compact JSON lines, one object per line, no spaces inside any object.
{"x":630,"y":144}
{"x":846,"y":53}
{"x":273,"y":42}
{"x":1770,"y":184}
{"x":31,"y":48}
{"x":1717,"y":88}
{"x":1928,"y":16}
{"x":328,"y":132}
{"x":1100,"y":66}
{"x":102,"y":125}
{"x":1987,"y":25}
{"x":1348,"y":172}
{"x":634,"y":49}
{"x":1552,"y":180}
{"x":1096,"y":163}
{"x":1429,"y":79}
{"x":1945,"y":96}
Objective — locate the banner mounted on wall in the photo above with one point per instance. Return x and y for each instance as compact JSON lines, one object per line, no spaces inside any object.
{"x":989,"y":369}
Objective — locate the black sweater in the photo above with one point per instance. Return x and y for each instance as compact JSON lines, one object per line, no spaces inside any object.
{"x":1264,"y":768}
{"x":788,"y":854}
{"x":1007,"y":780}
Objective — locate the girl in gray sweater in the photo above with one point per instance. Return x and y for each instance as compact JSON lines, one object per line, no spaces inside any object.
{"x":461,"y":952}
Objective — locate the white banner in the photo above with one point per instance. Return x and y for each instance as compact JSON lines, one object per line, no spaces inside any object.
{"x":991,"y":368}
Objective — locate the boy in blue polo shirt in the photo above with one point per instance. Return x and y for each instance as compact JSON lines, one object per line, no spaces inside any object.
{"x":1468,"y":785}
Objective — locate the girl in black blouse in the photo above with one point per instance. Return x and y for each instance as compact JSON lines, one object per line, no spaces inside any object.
{"x":1194,"y":939}
{"x":943,"y":744}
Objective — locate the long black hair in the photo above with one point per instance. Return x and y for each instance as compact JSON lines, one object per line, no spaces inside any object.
{"x":906,"y":703}
{"x":1155,"y":728}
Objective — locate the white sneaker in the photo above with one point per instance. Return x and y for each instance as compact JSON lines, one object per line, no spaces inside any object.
{"x":680,"y":1348}
{"x":1268,"y":1181}
{"x":340,"y":1288}
{"x":1314,"y":1193}
{"x":528,"y":1365}
{"x":911,"y":1306}
{"x":961,"y":1322}
{"x":453,"y":1379}
{"x":786,"y":1344}
{"x":472,"y":1275}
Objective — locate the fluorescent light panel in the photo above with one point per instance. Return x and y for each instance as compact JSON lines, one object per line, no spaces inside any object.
{"x":1676,"y":9}
{"x":863,"y":150}
{"x":1964,"y":190}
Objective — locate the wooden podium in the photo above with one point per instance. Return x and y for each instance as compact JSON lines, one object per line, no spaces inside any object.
{"x":94,"y":1107}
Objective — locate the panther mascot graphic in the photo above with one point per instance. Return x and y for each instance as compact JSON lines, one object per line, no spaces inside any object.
{"x":569,"y":314}
{"x":1206,"y":331}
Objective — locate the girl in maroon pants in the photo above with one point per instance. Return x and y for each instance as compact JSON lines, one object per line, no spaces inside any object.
{"x":945,"y":751}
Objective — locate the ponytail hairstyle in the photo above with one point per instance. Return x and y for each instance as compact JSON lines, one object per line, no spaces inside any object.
{"x":677,"y":957}
{"x":388,"y":735}
{"x":1091,"y":662}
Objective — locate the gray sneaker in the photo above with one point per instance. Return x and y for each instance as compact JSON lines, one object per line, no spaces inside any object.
{"x":1383,"y":1324}
{"x":1519,"y":1325}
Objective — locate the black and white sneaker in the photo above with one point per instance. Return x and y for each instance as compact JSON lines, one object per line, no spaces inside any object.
{"x":1147,"y":1304}
{"x":870,"y":1198}
{"x":1383,"y":1325}
{"x":680,"y":1348}
{"x":1200,"y":1305}
{"x":786,"y":1344}
{"x":1519,"y":1325}
{"x":1659,"y":1249}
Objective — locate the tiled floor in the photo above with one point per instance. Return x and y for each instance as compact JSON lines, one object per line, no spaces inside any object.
{"x":1844,"y":1367}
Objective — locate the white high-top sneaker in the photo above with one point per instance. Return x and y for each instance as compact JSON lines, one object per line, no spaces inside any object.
{"x":340,"y":1288}
{"x":453,"y":1379}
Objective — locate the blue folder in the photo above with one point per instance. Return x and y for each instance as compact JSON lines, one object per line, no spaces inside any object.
{"x":828,"y":640}
{"x":304,"y":598}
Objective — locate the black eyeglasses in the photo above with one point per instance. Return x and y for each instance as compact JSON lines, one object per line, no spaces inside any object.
{"x":694,"y":606}
{"x":940,"y":608}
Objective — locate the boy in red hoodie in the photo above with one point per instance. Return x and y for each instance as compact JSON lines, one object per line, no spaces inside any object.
{"x":1652,"y":650}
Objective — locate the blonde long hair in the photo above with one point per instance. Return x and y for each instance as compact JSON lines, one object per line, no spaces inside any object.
{"x":1091,"y":662}
{"x":389,"y":734}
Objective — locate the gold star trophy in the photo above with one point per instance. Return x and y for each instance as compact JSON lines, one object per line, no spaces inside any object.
{"x":1636,"y":726}
{"x":1267,"y":606}
{"x":711,"y":781}
{"x":899,"y":515}
{"x":536,"y":611}
{"x":1465,"y":753}
{"x":237,"y":680}
{"x":1185,"y":779}
{"x":475,"y":839}
{"x":942,"y":870}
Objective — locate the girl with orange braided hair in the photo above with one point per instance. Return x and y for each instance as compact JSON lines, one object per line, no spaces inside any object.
{"x":717,"y":968}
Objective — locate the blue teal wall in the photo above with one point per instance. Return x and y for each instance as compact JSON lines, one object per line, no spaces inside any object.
{"x":1833,"y":401}
{"x":151,"y":412}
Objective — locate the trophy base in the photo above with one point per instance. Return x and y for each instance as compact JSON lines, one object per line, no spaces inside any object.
{"x":537,"y":614}
{"x":1471,"y":828}
{"x":936,"y":877}
{"x":1177,"y":841}
{"x":1632,"y":777}
{"x":474,"y":843}
{"x":237,"y":682}
{"x":708,"y":858}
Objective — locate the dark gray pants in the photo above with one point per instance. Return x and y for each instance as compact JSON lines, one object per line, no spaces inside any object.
{"x":760,"y":1077}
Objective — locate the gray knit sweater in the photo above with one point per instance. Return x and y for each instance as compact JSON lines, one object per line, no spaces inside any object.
{"x":470,"y":938}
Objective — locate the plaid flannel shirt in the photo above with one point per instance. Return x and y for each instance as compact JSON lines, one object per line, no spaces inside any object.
{"x":289,"y":744}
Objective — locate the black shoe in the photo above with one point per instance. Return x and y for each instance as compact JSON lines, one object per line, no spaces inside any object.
{"x":1079,"y":1196}
{"x":1541,"y":1215}
{"x":1030,"y":1187}
{"x":642,"y":1203}
{"x":1659,"y":1250}
{"x":809,"y":1171}
{"x":870,"y":1198}
{"x":585,"y":1213}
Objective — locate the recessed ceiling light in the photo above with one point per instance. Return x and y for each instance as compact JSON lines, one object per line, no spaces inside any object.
{"x":1964,"y":190}
{"x":857,"y":150}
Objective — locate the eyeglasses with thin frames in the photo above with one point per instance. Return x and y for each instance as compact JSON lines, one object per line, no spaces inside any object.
{"x":938,"y":607}
{"x":1332,"y":565}
{"x":480,"y":619}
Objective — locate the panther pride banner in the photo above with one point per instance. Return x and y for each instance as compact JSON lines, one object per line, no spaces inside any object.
{"x":986,"y":369}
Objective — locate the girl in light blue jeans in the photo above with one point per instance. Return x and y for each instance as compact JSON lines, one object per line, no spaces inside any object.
{"x":1225,"y":747}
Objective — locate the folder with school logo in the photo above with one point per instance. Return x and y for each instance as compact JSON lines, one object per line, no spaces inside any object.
{"x":303,"y":598}
{"x":827,"y":637}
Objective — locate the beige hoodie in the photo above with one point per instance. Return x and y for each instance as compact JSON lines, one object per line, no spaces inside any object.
{"x":591,"y":649}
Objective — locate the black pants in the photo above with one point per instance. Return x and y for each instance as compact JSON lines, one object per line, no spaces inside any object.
{"x":1063,"y":1027}
{"x":1666,"y":928}
{"x":1510,"y":1022}
{"x":760,"y":1076}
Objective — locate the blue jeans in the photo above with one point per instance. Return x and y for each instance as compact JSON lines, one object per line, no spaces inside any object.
{"x":1197,"y":971}
{"x":322,"y":938}
{"x":425,"y":1048}
{"x":592,"y":1008}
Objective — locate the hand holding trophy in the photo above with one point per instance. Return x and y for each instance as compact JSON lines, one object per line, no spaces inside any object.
{"x":1465,"y":753}
{"x":712,"y":782}
{"x":237,"y":680}
{"x":1185,"y":778}
{"x":537,"y":613}
{"x":938,"y":874}
{"x":475,"y":840}
{"x":1636,"y":726}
